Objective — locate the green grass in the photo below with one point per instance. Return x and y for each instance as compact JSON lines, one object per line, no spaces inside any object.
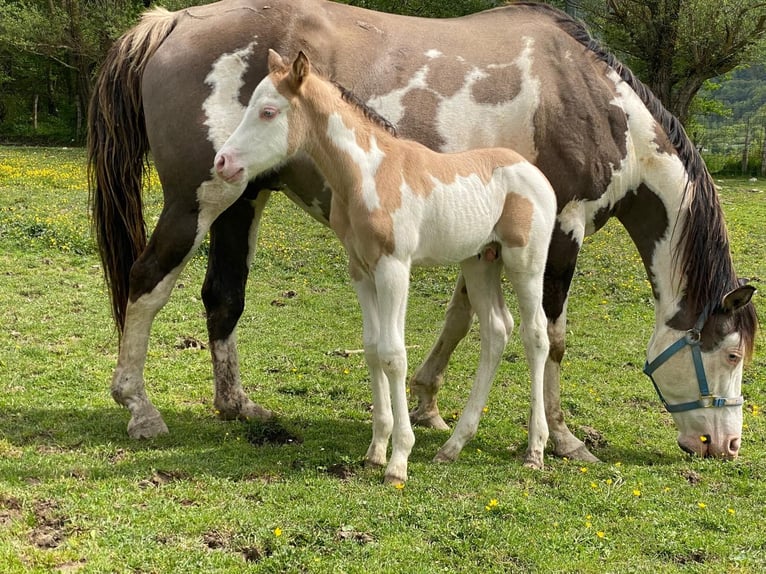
{"x":76,"y":495}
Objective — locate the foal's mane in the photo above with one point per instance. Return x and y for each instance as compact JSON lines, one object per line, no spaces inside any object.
{"x":350,"y":97}
{"x":704,"y":255}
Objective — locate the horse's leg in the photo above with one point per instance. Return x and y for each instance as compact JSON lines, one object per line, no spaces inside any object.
{"x":558,"y":278}
{"x":528,"y":286}
{"x":429,"y":377}
{"x":482,"y":279}
{"x":151,"y":282}
{"x":179,"y":231}
{"x":232,"y":246}
{"x":391,"y":285}
{"x":382,"y":418}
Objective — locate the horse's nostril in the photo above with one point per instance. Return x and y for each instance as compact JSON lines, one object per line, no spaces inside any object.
{"x":734,"y":445}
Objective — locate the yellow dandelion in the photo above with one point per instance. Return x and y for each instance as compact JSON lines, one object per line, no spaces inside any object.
{"x":277,"y":531}
{"x":731,"y":511}
{"x":583,"y":469}
{"x":600,"y":534}
{"x":702,"y":505}
{"x":593,"y":485}
{"x":636,"y":492}
{"x":608,"y":482}
{"x":485,"y":410}
{"x":703,"y":438}
{"x":399,"y":486}
{"x":346,"y":371}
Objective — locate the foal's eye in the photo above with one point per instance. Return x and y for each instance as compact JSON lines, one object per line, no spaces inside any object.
{"x":733,"y":358}
{"x":269,"y":113}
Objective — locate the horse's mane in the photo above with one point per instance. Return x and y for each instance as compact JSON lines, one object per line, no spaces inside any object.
{"x":705,"y":255}
{"x":350,"y":97}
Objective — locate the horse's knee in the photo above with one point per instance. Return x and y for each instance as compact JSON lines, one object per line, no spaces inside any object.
{"x":223,"y":308}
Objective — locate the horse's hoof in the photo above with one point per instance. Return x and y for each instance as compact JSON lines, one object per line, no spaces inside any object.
{"x":147,"y":427}
{"x":581,"y":453}
{"x":428,"y":420}
{"x":244,"y":410}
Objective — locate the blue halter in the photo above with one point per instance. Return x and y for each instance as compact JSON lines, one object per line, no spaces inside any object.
{"x":691,"y":338}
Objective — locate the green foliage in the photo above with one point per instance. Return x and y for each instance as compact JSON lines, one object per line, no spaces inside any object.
{"x":428,"y":8}
{"x":49,"y":50}
{"x":674,"y":46}
{"x":77,"y":495}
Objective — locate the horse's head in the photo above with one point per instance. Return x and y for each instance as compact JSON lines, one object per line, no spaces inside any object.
{"x":267,"y":135}
{"x":696,"y":365}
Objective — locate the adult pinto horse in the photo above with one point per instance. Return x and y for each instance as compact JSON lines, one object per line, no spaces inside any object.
{"x":397,"y":203}
{"x":524,"y":76}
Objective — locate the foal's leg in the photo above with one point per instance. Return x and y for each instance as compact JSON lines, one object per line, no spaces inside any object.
{"x":429,"y":377}
{"x":382,"y":418}
{"x":482,"y":279}
{"x":178,"y":233}
{"x":528,"y":286}
{"x":391,"y":284}
{"x":232,"y":246}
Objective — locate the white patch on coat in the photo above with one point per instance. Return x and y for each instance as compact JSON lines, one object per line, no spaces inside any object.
{"x":506,"y":124}
{"x":390,"y":105}
{"x":433,"y":53}
{"x":222,"y":108}
{"x":369,"y":162}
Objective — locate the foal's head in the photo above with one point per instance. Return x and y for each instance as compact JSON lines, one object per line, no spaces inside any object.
{"x":272,"y":128}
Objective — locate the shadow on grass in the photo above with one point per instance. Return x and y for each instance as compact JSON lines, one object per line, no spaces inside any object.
{"x":93,"y":444}
{"x":57,"y":443}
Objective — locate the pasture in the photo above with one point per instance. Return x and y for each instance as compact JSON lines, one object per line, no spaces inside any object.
{"x":77,"y":495}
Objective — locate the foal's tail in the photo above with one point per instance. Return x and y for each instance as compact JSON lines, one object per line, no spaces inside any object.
{"x":118,"y":153}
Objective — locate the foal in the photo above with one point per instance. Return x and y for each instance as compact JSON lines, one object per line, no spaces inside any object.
{"x":396,"y":203}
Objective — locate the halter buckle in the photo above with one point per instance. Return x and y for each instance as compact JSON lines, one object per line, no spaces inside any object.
{"x":693,"y":336}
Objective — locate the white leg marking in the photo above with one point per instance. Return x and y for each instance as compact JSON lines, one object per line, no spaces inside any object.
{"x":495,"y":323}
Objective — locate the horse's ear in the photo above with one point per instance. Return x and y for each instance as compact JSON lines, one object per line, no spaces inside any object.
{"x":301,"y":68}
{"x":737,"y":298}
{"x":275,"y":62}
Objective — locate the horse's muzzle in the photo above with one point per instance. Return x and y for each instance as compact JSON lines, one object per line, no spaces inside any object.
{"x":726,"y":448}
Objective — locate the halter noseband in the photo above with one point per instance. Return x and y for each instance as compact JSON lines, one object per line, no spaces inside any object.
{"x":691,"y":338}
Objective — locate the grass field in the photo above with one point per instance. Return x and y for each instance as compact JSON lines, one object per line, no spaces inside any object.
{"x":77,"y":495}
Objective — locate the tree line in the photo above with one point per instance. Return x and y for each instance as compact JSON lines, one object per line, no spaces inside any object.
{"x":50,"y":51}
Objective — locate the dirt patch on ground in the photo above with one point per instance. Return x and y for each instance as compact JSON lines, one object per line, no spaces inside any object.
{"x":50,"y":529}
{"x":10,"y":510}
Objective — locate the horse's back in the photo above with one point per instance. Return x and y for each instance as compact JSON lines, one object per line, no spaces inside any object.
{"x":498,"y":78}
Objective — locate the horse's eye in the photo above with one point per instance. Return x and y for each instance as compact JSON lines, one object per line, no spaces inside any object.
{"x":269,"y":113}
{"x":733,"y":358}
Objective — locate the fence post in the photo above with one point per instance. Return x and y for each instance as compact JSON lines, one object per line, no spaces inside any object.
{"x":746,"y":150}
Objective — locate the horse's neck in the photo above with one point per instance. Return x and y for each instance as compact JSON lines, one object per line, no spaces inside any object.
{"x":653,"y":223}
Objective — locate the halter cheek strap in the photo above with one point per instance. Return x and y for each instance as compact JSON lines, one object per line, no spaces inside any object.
{"x":691,"y":338}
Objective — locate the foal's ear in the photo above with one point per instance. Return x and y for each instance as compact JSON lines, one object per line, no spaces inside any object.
{"x":275,"y":62}
{"x":301,"y":68}
{"x":737,"y":298}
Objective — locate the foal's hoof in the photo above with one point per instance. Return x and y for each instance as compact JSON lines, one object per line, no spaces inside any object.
{"x":395,"y":480}
{"x":147,"y":427}
{"x":534,"y":460}
{"x":446,"y":454}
